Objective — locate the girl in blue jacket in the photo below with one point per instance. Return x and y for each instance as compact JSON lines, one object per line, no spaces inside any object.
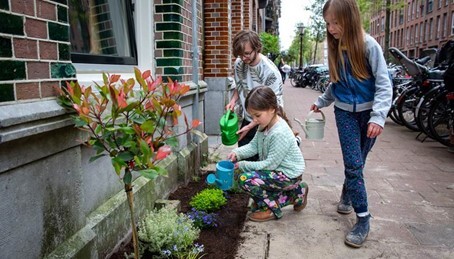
{"x":362,"y":93}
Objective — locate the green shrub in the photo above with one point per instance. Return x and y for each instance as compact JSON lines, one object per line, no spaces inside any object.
{"x":208,"y":200}
{"x":165,"y":230}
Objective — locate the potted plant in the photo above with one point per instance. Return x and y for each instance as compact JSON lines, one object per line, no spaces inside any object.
{"x":127,"y":121}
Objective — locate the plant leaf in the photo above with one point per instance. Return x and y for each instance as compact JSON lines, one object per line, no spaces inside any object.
{"x":148,"y":126}
{"x":127,"y":178}
{"x":93,"y":158}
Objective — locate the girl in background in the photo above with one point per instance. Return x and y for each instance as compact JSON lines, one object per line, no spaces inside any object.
{"x":361,"y":91}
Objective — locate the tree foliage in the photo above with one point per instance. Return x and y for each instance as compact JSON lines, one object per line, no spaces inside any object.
{"x":270,"y":44}
{"x":292,"y":56}
{"x":317,"y":27}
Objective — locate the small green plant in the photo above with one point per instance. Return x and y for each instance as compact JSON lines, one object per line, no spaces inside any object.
{"x":196,"y":178}
{"x":202,"y":219}
{"x":235,"y":188}
{"x":167,"y":232}
{"x":208,"y":200}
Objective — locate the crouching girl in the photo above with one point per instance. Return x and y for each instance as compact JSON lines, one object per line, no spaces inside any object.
{"x":274,"y":181}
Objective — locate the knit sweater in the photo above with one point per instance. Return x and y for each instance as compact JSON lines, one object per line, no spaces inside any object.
{"x":248,"y":77}
{"x":277,"y":150}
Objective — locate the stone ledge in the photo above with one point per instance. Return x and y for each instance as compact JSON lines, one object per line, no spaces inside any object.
{"x":27,"y":119}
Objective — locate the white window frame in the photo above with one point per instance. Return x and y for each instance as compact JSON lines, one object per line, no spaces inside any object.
{"x":143,"y":22}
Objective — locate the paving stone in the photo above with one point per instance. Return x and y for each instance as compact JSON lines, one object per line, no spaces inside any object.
{"x":434,"y":235}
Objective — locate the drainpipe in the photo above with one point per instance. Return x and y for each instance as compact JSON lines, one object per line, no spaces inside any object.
{"x":195,"y":77}
{"x":195,"y":63}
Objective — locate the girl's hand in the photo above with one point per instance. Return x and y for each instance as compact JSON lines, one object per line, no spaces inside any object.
{"x":373,"y":130}
{"x":314,"y":108}
{"x":235,"y":166}
{"x":242,"y":132}
{"x":232,"y":157}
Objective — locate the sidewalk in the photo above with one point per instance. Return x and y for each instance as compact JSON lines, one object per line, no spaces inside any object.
{"x":411,"y":197}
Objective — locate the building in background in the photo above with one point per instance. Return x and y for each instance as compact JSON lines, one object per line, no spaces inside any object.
{"x":418,"y":26}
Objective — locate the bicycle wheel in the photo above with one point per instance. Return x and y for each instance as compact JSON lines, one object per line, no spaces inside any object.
{"x":394,"y":116}
{"x":422,"y":110}
{"x":293,"y":80}
{"x":440,"y":119}
{"x":406,"y":108}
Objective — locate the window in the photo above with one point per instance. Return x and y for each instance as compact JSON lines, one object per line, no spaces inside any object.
{"x":425,"y":31}
{"x":452,"y":23}
{"x":409,"y":12}
{"x":445,"y":25}
{"x":102,"y":32}
{"x":429,"y":6}
{"x":401,"y":17}
{"x":412,"y":40}
{"x":421,"y":32}
{"x":407,"y":37}
{"x":383,"y":24}
{"x":416,"y":33}
{"x":417,"y":10}
{"x":431,"y":28}
{"x":438,"y":28}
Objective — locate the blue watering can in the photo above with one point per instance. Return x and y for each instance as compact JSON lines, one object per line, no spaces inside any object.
{"x":223,"y":178}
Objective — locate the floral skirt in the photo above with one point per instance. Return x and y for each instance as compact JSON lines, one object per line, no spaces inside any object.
{"x":272,"y":190}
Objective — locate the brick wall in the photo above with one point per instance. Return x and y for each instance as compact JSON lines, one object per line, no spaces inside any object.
{"x":217,"y":38}
{"x":173,"y":37}
{"x":34,"y":49}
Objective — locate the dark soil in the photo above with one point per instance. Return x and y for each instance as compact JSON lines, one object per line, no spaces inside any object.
{"x":220,"y":242}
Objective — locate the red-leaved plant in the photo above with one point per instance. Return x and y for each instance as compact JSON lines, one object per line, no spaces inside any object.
{"x":127,"y":120}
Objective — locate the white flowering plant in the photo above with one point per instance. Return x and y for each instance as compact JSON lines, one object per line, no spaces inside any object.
{"x":169,"y":234}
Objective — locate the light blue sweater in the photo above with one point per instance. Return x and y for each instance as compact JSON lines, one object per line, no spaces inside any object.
{"x":277,"y":150}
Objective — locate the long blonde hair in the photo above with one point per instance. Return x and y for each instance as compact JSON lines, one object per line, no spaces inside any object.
{"x":347,"y":15}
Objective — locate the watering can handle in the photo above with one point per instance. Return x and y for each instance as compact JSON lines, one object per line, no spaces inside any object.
{"x":312,"y":112}
{"x":227,"y":114}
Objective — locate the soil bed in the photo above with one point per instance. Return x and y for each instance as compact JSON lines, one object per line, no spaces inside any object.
{"x":220,"y":242}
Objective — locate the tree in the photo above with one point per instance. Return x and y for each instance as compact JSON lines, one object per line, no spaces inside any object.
{"x":317,"y":27}
{"x":368,"y":8}
{"x":270,"y":45}
{"x":129,"y":125}
{"x":294,"y":49}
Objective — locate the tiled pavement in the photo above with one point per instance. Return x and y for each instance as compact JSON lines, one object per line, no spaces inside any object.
{"x":411,"y":197}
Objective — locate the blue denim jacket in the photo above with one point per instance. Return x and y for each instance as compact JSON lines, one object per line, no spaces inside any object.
{"x":374,"y":93}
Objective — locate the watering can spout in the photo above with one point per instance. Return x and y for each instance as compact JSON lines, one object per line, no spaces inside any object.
{"x":302,"y":125}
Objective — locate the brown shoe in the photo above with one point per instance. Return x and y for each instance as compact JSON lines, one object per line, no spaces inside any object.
{"x":300,"y":207}
{"x":261,"y":216}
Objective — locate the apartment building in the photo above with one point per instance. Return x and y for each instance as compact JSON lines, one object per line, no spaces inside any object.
{"x":415,"y":26}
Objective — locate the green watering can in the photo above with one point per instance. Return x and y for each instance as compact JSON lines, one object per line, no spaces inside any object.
{"x":229,"y":127}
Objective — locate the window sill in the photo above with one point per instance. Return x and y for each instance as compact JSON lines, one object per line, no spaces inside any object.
{"x":22,"y":120}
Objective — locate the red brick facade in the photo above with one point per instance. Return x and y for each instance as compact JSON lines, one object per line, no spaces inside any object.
{"x":217,"y":39}
{"x":420,"y":25}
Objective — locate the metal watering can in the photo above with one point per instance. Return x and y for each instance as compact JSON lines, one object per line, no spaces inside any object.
{"x":313,"y":128}
{"x":229,"y":127}
{"x":223,"y":178}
